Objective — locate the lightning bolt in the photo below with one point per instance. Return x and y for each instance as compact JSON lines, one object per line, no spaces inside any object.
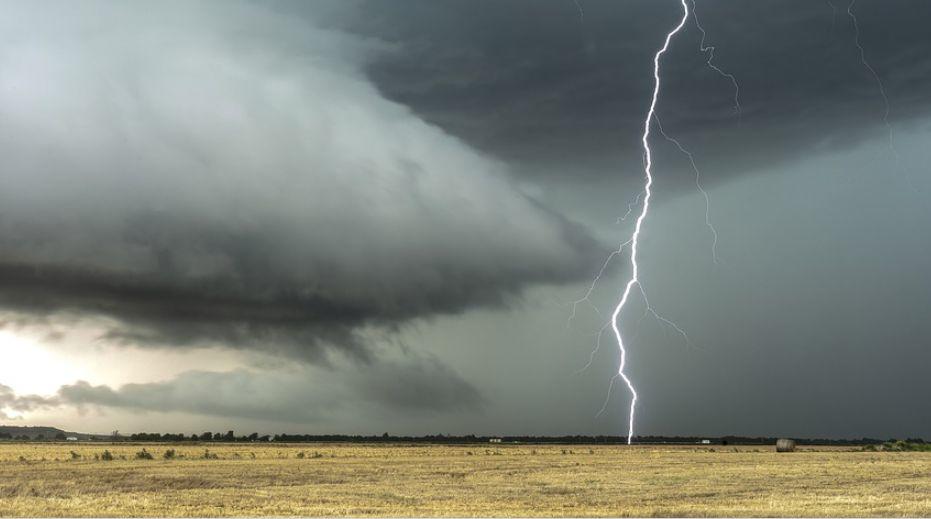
{"x":645,"y":193}
{"x":872,"y":71}
{"x":709,"y":49}
{"x":647,"y":310}
{"x":708,"y":224}
{"x":630,"y":208}
{"x":882,"y":92}
{"x":587,"y":297}
{"x":638,"y":226}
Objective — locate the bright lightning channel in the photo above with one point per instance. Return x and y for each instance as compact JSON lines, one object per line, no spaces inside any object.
{"x":635,"y":237}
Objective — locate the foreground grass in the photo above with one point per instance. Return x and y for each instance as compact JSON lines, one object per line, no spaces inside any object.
{"x":401,"y":480}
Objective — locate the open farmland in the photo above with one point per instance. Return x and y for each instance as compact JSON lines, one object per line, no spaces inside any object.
{"x":501,"y":480}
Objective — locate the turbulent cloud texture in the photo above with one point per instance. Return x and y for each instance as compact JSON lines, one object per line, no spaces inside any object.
{"x":230,"y":176}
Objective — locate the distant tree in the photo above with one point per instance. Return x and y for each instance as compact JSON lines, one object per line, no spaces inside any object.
{"x":40,"y":437}
{"x":60,"y":436}
{"x":146,"y":437}
{"x":253,"y":437}
{"x":230,"y":436}
{"x":206,"y":437}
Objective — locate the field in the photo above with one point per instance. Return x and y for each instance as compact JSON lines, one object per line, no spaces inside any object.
{"x":495,"y":480}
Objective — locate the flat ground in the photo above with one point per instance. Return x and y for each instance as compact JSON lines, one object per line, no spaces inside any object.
{"x":494,"y":480}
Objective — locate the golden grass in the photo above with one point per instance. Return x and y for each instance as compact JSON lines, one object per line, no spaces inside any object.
{"x":500,"y":480}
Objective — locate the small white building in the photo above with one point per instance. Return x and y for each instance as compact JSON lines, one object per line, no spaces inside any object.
{"x":706,"y":442}
{"x":494,"y":440}
{"x":72,"y":438}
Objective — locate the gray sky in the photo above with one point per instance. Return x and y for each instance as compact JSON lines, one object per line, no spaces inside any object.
{"x":359,"y":216}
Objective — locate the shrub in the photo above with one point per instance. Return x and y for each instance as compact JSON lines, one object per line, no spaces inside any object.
{"x":316,"y":455}
{"x":75,"y":455}
{"x":210,"y":455}
{"x":169,"y":454}
{"x":106,"y":456}
{"x":904,"y":446}
{"x":143,"y":455}
{"x":300,"y":455}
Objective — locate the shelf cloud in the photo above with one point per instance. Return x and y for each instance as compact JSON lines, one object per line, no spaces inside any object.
{"x":230,"y":176}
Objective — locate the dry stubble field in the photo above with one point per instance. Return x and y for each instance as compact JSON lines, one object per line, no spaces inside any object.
{"x":505,"y":480}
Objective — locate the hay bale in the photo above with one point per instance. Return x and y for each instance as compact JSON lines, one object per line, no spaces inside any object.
{"x":785,"y":445}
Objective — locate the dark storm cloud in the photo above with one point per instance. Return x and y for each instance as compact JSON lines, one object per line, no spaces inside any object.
{"x":301,"y":395}
{"x":217,"y":172}
{"x":536,"y":82}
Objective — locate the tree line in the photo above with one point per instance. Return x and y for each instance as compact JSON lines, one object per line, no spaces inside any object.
{"x":232,"y":437}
